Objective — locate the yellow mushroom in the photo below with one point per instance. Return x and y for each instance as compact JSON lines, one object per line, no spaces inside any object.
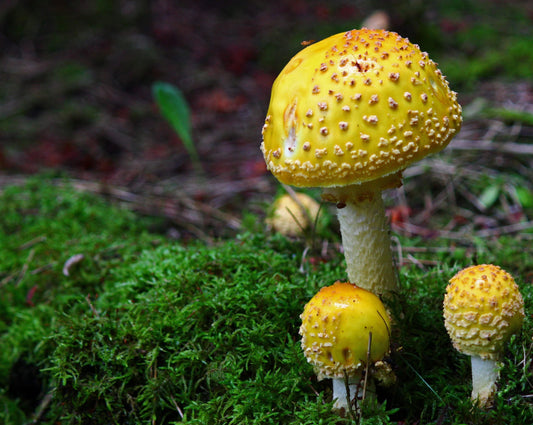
{"x":349,"y":113}
{"x":344,"y":329}
{"x":483,"y":307}
{"x":293,"y":214}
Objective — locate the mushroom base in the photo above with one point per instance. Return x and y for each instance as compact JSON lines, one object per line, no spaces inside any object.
{"x":341,"y":396}
{"x":485,"y":373}
{"x":351,"y":392}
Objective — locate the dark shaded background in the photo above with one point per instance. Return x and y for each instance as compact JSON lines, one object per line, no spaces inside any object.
{"x":75,"y":88}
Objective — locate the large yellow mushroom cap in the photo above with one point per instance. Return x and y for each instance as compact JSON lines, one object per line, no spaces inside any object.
{"x":355,"y":107}
{"x":483,"y":307}
{"x":336,"y":324}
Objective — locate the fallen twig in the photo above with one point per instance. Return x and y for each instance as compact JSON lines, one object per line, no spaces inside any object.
{"x":75,"y":259}
{"x":25,"y":267}
{"x":432,"y":233}
{"x":489,"y":145}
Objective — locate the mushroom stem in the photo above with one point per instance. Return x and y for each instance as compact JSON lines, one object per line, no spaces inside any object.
{"x":340,"y":395}
{"x":365,"y":237}
{"x":365,"y":232}
{"x":485,"y":373}
{"x":366,"y":243}
{"x":345,"y":393}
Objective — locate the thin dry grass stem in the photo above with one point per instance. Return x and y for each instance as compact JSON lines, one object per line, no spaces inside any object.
{"x":301,"y":269}
{"x":398,"y":259}
{"x":505,"y":230}
{"x":191,"y":215}
{"x":349,"y":402}
{"x":25,"y":267}
{"x":32,"y":242}
{"x":417,"y":262}
{"x":404,"y":254}
{"x":177,"y":407}
{"x":71,"y":261}
{"x":291,"y":213}
{"x":431,"y":249}
{"x":91,"y":306}
{"x":174,"y":206}
{"x":6,"y":280}
{"x":490,"y":146}
{"x":353,"y":400}
{"x":310,"y":234}
{"x":43,"y":268}
{"x":368,"y":350}
{"x":316,"y":393}
{"x":465,"y":192}
{"x":41,"y":408}
{"x":465,"y":234}
{"x":292,"y":193}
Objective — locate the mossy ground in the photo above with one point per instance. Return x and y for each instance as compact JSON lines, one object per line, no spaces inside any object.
{"x":144,"y":329}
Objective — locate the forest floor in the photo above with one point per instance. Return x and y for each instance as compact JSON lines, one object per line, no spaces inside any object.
{"x":76,"y":87}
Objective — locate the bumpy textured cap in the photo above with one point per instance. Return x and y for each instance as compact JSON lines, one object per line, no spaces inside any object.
{"x":483,"y":307}
{"x":335,"y":329}
{"x":355,"y":107}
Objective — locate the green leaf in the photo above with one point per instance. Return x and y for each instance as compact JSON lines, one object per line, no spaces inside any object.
{"x":489,"y":196}
{"x":175,"y":110}
{"x":525,"y":196}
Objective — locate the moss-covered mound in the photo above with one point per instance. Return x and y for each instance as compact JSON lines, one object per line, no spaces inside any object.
{"x":103,"y":322}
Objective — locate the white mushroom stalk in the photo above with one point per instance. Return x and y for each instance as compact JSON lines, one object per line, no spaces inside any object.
{"x":365,"y":235}
{"x":344,"y":392}
{"x":485,"y":374}
{"x":365,"y":232}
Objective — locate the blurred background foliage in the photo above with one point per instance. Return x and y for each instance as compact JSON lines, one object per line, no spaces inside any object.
{"x":75,"y":77}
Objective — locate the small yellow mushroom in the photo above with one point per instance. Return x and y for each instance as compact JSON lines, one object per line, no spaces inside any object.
{"x":293,"y":214}
{"x":483,"y":307}
{"x":344,"y":329}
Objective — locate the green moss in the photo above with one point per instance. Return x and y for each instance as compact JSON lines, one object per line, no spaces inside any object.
{"x":144,"y":330}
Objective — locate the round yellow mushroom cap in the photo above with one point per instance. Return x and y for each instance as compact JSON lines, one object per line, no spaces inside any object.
{"x":355,"y":107}
{"x":336,"y":324}
{"x":292,"y":217}
{"x":483,"y":307}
